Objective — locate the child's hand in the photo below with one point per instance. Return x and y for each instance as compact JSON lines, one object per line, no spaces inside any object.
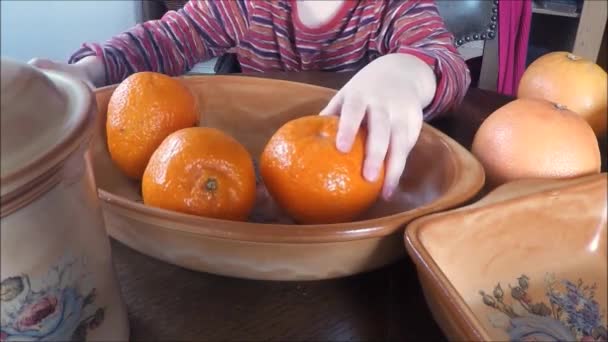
{"x":390,"y":94}
{"x":89,"y":70}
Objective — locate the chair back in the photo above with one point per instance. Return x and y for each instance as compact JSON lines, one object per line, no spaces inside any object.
{"x":470,"y":20}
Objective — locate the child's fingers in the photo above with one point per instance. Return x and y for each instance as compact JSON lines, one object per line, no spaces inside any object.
{"x":334,"y":105}
{"x":70,"y":69}
{"x":403,"y":138}
{"x":351,"y":115}
{"x":43,"y":63}
{"x":379,"y":133}
{"x":395,"y":165}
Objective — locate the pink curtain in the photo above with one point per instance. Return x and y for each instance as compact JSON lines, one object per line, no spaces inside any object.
{"x":514,"y":18}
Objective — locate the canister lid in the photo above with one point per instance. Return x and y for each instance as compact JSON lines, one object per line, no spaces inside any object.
{"x":44,"y":117}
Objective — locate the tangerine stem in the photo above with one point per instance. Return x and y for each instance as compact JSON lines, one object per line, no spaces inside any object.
{"x":211,"y":185}
{"x":560,"y":106}
{"x":573,"y":57}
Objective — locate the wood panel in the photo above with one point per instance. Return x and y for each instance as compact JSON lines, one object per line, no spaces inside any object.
{"x":591,"y":29}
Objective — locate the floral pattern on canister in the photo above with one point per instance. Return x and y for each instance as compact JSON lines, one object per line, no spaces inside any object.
{"x":569,"y":312}
{"x":58,"y":307}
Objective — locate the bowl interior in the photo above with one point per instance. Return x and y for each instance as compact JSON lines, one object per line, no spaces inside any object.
{"x":525,"y":266}
{"x":252,"y":109}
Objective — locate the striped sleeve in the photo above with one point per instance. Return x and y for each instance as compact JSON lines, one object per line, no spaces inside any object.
{"x":416,"y":28}
{"x":173,"y":44}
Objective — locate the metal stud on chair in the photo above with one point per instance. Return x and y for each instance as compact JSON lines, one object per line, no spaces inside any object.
{"x":477,"y":21}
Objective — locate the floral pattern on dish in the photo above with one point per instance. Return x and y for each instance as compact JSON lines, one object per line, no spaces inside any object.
{"x":568,"y":313}
{"x":59,"y":307}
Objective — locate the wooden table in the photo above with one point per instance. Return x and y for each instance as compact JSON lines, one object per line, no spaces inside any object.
{"x":167,"y":303}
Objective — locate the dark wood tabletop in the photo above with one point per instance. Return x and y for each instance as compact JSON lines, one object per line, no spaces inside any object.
{"x":168,"y":303}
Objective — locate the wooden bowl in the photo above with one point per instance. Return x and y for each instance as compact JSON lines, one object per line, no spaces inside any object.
{"x":519,"y":264}
{"x":440,"y":174}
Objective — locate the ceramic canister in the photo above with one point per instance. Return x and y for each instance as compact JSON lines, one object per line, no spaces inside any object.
{"x":58,"y":282}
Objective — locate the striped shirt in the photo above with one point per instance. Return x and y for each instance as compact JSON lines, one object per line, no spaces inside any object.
{"x":268,"y":36}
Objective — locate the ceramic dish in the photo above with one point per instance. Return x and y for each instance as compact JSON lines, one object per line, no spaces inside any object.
{"x":440,"y":174}
{"x":528,"y":262}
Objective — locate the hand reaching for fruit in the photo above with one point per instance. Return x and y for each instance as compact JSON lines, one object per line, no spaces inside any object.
{"x":90,"y":69}
{"x":388,"y":95}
